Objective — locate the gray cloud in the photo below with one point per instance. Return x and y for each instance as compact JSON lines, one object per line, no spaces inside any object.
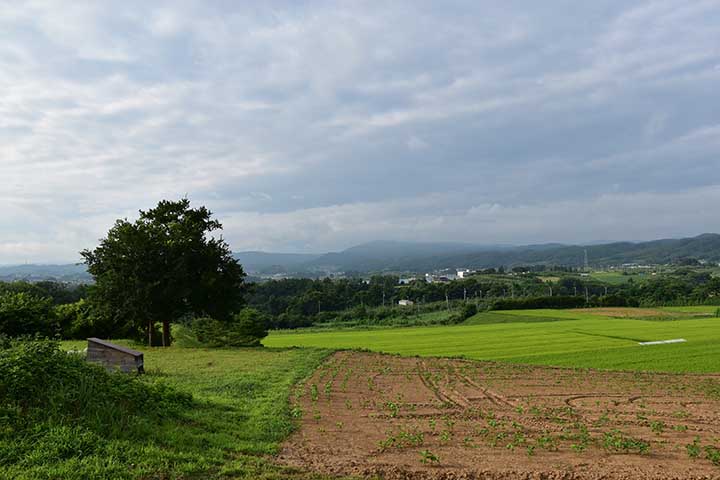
{"x":316,"y":125}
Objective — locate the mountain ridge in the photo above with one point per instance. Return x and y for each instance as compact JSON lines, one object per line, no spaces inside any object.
{"x":417,"y":257}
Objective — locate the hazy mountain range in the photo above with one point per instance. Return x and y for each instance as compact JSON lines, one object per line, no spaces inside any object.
{"x":392,"y":256}
{"x":421,"y":257}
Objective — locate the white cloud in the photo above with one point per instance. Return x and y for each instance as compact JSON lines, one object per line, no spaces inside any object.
{"x":314,"y":126}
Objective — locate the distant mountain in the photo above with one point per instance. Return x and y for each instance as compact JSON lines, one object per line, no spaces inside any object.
{"x":390,"y":256}
{"x":385,"y":256}
{"x":75,"y":273}
{"x":396,"y":256}
{"x":264,"y":262}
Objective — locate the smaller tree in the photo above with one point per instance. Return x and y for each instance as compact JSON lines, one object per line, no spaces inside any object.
{"x":25,"y":314}
{"x":245,"y":329}
{"x":167,"y":265}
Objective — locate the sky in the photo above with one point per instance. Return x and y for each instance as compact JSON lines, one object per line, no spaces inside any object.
{"x":312,"y":126}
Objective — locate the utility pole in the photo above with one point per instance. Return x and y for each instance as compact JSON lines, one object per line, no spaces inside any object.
{"x":465,"y":295}
{"x":587,"y":265}
{"x":587,"y":295}
{"x":550,"y":287}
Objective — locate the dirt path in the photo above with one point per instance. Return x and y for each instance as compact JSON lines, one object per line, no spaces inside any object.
{"x":409,"y":418}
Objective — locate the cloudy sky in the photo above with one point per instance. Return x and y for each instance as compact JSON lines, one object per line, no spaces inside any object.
{"x":313,"y":126}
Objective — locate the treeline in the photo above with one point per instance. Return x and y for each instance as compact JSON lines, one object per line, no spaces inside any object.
{"x":48,"y":309}
{"x":67,"y":311}
{"x":295,"y":303}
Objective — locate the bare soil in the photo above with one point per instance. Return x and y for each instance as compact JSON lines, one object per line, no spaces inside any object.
{"x":373,"y":415}
{"x":626,"y":312}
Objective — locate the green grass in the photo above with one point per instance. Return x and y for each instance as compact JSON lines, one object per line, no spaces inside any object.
{"x":617,"y":278}
{"x":240,"y":416}
{"x":545,"y":337}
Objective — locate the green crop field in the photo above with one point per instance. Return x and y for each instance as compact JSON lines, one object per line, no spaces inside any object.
{"x":240,"y":416}
{"x":617,"y":278}
{"x":572,"y":338}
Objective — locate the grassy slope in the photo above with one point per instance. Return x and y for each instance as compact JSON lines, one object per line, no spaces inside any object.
{"x":242,"y":414}
{"x":574,"y":339}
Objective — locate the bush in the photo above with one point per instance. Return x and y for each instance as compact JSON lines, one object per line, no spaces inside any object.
{"x":539,"y":302}
{"x":56,"y":400}
{"x":22,"y":313}
{"x":245,"y":329}
{"x":466,"y":311}
{"x":76,"y":320}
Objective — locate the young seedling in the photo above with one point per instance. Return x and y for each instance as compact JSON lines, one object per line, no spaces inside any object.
{"x":713,"y":454}
{"x":657,"y":426}
{"x":617,"y":441}
{"x":693,"y":449}
{"x":426,"y":456}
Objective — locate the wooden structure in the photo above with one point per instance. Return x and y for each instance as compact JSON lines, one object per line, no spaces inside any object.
{"x":114,"y":357}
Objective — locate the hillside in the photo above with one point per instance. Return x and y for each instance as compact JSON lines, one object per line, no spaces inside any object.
{"x":419,"y":257}
{"x":266,"y":262}
{"x":73,"y":273}
{"x":386,"y":256}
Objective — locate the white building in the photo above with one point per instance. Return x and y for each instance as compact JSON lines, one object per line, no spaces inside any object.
{"x":406,"y":303}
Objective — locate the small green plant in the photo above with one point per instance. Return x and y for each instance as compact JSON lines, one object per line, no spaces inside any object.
{"x":658,"y":426}
{"x":713,"y":454}
{"x":426,"y":456}
{"x":693,"y":449}
{"x":394,"y":409}
{"x":619,"y":442}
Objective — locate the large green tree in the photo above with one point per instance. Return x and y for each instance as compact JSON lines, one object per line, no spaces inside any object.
{"x":165,"y":266}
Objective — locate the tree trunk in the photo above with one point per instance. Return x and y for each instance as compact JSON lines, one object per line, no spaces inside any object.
{"x":150,"y":333}
{"x":166,"y":333}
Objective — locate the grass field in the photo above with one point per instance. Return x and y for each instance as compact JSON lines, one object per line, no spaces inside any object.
{"x":240,"y":416}
{"x":569,"y":338}
{"x":617,"y":278}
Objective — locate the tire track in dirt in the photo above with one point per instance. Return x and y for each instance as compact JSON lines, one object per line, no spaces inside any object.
{"x":430,"y":425}
{"x":443,"y":394}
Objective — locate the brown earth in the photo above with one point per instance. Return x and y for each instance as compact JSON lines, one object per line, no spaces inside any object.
{"x":629,"y":312}
{"x":374,"y":415}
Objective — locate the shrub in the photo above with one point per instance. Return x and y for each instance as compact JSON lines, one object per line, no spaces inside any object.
{"x":26,"y":314}
{"x":539,"y":302}
{"x":245,"y":329}
{"x":76,"y":320}
{"x":54,"y":403}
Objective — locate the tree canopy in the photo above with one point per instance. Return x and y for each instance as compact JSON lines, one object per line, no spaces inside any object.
{"x":165,"y":266}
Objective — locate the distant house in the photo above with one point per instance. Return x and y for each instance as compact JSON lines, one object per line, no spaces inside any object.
{"x":406,"y":303}
{"x":406,"y":281}
{"x":464,"y":273}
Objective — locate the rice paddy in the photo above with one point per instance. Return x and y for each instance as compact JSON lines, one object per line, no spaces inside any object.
{"x":585,"y":338}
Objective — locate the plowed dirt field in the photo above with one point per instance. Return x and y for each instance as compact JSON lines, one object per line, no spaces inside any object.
{"x":393,"y":417}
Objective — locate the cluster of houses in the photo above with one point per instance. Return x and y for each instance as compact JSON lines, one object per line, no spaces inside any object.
{"x":440,"y":277}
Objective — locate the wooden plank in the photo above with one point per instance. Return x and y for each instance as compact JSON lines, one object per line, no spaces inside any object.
{"x":114,"y":357}
{"x":112,"y":346}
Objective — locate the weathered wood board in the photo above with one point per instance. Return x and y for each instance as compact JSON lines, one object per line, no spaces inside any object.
{"x":114,"y":357}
